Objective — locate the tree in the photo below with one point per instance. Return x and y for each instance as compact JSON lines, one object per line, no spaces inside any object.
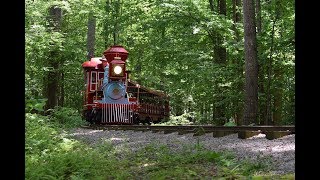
{"x":261,"y":65}
{"x":91,"y":35}
{"x":55,"y":19}
{"x":176,"y":42}
{"x":251,"y":64}
{"x":220,"y":51}
{"x":236,"y":16}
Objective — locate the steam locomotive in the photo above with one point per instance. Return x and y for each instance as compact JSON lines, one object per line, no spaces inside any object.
{"x":110,"y":97}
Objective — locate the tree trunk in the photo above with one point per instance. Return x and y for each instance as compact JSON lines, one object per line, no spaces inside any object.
{"x":262,"y":96}
{"x":91,"y":35}
{"x":278,"y":94}
{"x":220,"y":52}
{"x":55,"y":19}
{"x":262,"y":102}
{"x":251,"y":64}
{"x":211,"y":5}
{"x":258,"y":14}
{"x":116,"y":31}
{"x":268,"y":120}
{"x":52,"y":84}
{"x":220,"y":57}
{"x":106,"y":24}
{"x":278,"y":79}
{"x":236,"y":10}
{"x":236,"y":4}
{"x":61,"y":95}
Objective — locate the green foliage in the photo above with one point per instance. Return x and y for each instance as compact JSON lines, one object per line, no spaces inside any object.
{"x":256,"y":167}
{"x":285,"y":176}
{"x":52,"y":154}
{"x":230,"y":123}
{"x":172,"y":42}
{"x":184,"y":119}
{"x":66,"y":117}
{"x":41,"y":136}
{"x":35,"y":105}
{"x":159,"y":162}
{"x":81,"y":163}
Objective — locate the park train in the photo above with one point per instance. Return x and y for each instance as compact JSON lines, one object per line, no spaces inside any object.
{"x":110,"y":97}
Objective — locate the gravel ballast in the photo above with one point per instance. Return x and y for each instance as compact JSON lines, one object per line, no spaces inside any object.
{"x":280,"y":152}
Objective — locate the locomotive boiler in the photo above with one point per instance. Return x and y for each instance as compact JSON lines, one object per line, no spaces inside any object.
{"x":110,"y":97}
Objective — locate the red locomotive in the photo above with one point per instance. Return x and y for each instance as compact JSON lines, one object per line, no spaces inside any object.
{"x":112,"y":98}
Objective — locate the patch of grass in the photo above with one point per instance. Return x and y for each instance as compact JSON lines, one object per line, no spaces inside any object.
{"x":158,"y":162}
{"x":50,"y":155}
{"x":267,"y":177}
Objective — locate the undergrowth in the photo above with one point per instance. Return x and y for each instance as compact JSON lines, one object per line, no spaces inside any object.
{"x":51,"y":155}
{"x":183,"y":119}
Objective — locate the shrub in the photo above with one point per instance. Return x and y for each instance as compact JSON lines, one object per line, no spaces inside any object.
{"x":50,"y":155}
{"x":67,"y":117}
{"x":35,"y":105}
{"x":41,"y":135}
{"x":179,"y":120}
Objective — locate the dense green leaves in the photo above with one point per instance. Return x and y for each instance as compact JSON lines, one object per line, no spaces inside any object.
{"x":171,"y":47}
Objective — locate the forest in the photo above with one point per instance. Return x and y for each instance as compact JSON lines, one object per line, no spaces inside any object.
{"x":222,"y":62}
{"x":192,"y":50}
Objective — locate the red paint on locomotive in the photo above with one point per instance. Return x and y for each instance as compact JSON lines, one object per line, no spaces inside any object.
{"x":145,"y":104}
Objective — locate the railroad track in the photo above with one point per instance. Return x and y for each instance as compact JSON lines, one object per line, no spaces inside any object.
{"x":244,"y":132}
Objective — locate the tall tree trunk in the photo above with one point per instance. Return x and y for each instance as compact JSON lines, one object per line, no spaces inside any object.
{"x":117,"y":13}
{"x":106,"y":30}
{"x":220,"y":52}
{"x":262,"y":98}
{"x":236,"y":10}
{"x":220,"y":57}
{"x":211,"y":5}
{"x":278,"y":95}
{"x":251,"y":64}
{"x":55,"y":19}
{"x":258,"y":15}
{"x":236,"y":4}
{"x":278,"y":79}
{"x":262,"y":102}
{"x":61,"y":94}
{"x":52,"y":83}
{"x":268,"y":120}
{"x":91,"y":35}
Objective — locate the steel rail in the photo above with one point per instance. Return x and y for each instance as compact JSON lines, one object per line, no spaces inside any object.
{"x":194,"y":128}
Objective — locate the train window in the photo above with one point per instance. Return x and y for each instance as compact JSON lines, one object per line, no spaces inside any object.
{"x":101,"y":75}
{"x":100,"y":78}
{"x":93,"y":77}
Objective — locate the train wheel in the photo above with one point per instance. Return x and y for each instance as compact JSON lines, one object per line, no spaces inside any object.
{"x":88,"y":116}
{"x":97,"y":116}
{"x":148,"y":120}
{"x":136,"y":119}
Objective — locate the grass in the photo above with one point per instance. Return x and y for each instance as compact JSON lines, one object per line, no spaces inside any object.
{"x":49,"y":155}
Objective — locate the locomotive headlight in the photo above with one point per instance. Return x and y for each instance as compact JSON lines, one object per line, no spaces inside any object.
{"x":117,"y":70}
